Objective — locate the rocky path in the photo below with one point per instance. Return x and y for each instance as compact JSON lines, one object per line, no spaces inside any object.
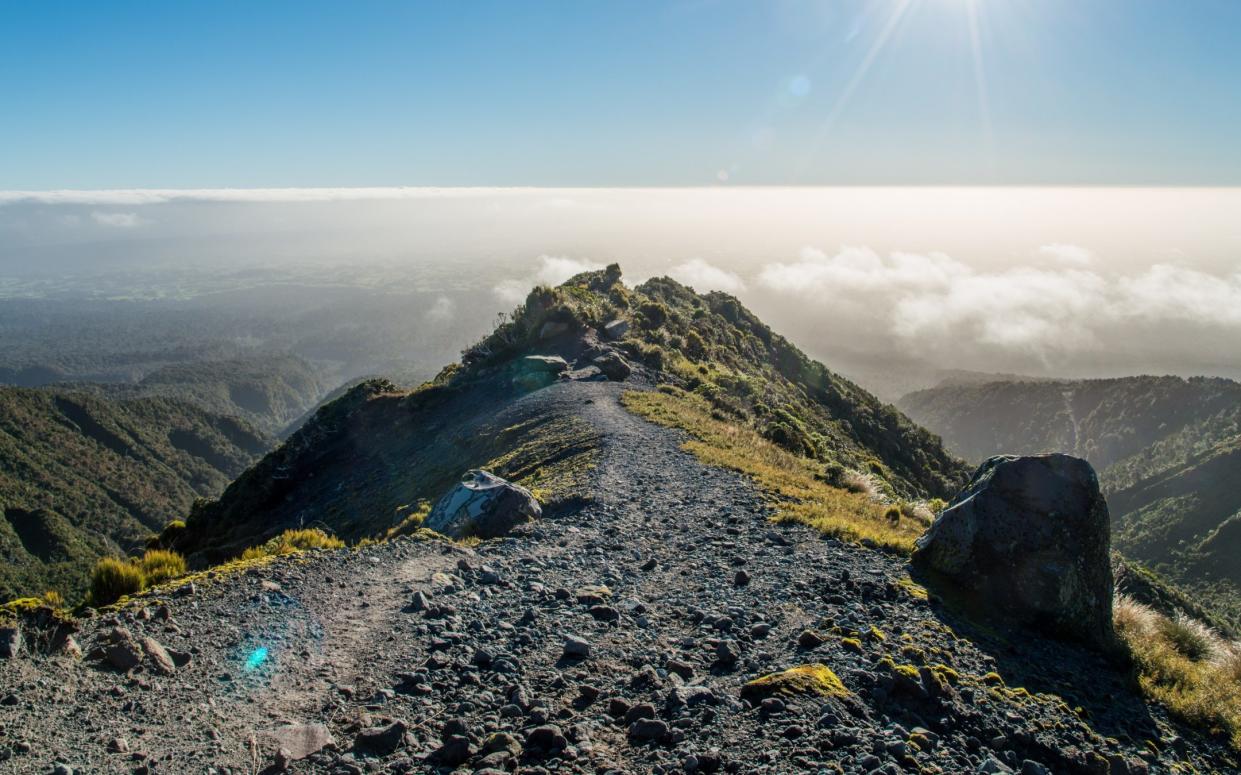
{"x":615,"y":638}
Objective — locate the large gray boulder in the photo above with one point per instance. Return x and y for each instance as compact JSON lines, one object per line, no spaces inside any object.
{"x":482,"y":505}
{"x":1027,"y":540}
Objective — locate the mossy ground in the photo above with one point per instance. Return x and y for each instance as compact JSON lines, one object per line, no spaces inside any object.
{"x":815,"y":680}
{"x":794,"y":483}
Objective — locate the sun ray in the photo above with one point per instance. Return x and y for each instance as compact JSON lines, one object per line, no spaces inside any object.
{"x":881,"y":40}
{"x":980,"y":84}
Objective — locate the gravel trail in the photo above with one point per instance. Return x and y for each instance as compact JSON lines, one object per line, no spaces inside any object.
{"x":615,"y":636}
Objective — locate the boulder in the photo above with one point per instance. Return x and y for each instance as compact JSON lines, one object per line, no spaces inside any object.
{"x":536,"y":371}
{"x":482,"y":505}
{"x":10,"y":641}
{"x":300,"y":740}
{"x":1027,"y":540}
{"x":613,"y":366}
{"x":616,"y":329}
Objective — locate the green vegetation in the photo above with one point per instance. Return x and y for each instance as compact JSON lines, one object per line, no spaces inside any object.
{"x":815,"y":680}
{"x":1185,"y":666}
{"x":85,"y":477}
{"x":113,"y":579}
{"x":160,"y":565}
{"x":793,"y":482}
{"x":293,"y":541}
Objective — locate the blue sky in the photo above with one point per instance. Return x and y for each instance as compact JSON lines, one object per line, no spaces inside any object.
{"x":195,"y":94}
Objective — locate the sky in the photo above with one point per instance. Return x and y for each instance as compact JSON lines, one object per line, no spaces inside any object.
{"x":1049,"y":187}
{"x":130,"y":94}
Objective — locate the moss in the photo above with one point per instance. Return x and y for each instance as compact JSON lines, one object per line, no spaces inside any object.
{"x":993,"y":679}
{"x":852,"y":644}
{"x":912,"y":588}
{"x":947,"y":673}
{"x":874,"y":633}
{"x":814,"y":679}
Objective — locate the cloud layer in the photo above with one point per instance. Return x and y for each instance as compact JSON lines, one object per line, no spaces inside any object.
{"x":1053,"y":309}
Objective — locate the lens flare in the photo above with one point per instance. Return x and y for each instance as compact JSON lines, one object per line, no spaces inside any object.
{"x":256,"y":658}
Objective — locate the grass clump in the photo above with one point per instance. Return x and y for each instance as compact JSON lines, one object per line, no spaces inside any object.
{"x":114,"y":578}
{"x":796,"y":484}
{"x":160,"y":565}
{"x":1185,"y":666}
{"x":293,"y":541}
{"x":815,"y":679}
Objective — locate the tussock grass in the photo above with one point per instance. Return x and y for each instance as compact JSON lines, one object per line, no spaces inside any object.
{"x":113,"y":579}
{"x":1185,"y":666}
{"x":293,"y":541}
{"x":796,"y":484}
{"x":160,"y":565}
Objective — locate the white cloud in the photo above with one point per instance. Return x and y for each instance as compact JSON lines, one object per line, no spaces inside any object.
{"x":703,"y":276}
{"x":936,"y":306}
{"x":150,"y":196}
{"x":117,"y":220}
{"x":441,"y":310}
{"x":1070,"y":255}
{"x":1169,"y":292}
{"x":552,"y":270}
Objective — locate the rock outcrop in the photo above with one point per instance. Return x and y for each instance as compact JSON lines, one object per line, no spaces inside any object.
{"x":482,"y":505}
{"x":1027,"y":540}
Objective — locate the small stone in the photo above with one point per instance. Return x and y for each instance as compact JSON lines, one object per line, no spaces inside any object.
{"x":159,"y":657}
{"x":809,"y":640}
{"x":9,"y":699}
{"x":604,"y":613}
{"x":381,"y":740}
{"x":648,"y":730}
{"x":118,"y":745}
{"x":576,"y":647}
{"x":546,"y":738}
{"x":741,"y":578}
{"x":640,"y":711}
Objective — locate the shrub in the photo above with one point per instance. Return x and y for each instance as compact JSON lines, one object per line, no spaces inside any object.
{"x":653,"y":314}
{"x":160,"y":565}
{"x":114,"y":578}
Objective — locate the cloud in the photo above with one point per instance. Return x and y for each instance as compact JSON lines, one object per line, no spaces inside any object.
{"x":441,"y":310}
{"x":703,"y":277}
{"x":1070,"y":255}
{"x":552,"y":270}
{"x":935,"y":306}
{"x":117,"y":220}
{"x":152,"y":196}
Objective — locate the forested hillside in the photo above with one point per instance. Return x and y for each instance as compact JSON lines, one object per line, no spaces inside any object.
{"x":82,"y":476}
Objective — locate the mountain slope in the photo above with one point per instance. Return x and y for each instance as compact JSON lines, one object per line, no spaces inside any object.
{"x":269,"y":392}
{"x":1168,"y":451}
{"x":363,"y":462}
{"x":424,"y":656}
{"x":81,"y":477}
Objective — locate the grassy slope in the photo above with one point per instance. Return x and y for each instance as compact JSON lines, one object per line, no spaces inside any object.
{"x":81,"y":477}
